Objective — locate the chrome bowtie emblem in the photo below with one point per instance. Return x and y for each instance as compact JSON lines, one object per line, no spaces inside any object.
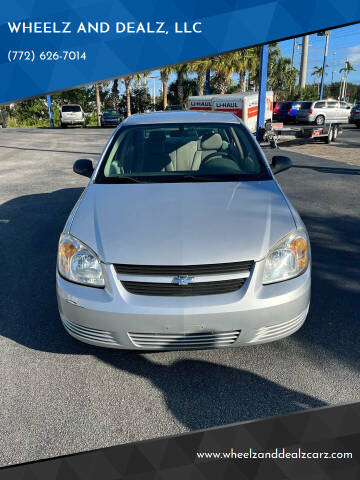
{"x":182,"y":280}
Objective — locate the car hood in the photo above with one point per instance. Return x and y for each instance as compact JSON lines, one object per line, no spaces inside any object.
{"x":182,"y":223}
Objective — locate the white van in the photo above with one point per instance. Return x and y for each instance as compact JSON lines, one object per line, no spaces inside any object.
{"x":72,"y":114}
{"x":243,"y":105}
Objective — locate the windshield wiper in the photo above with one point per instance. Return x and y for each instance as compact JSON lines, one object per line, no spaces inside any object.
{"x":124,"y":179}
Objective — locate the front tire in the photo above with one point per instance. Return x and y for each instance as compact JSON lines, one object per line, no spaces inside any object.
{"x":320,"y":120}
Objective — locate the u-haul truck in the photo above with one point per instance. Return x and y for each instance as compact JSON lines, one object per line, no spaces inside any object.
{"x":243,"y":105}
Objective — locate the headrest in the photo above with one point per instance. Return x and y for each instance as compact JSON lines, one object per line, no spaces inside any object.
{"x":211,"y":142}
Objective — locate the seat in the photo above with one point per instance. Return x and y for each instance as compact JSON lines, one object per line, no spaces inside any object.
{"x":181,"y":152}
{"x":155,"y":157}
{"x":208,"y":145}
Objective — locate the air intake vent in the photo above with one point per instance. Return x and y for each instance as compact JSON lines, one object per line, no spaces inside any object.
{"x":192,"y":289}
{"x":171,"y":270}
{"x":91,"y":334}
{"x":186,"y":341}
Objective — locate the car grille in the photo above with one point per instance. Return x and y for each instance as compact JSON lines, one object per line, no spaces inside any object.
{"x":211,"y":279}
{"x":186,"y":341}
{"x":184,"y":269}
{"x":192,"y":289}
{"x":91,"y":334}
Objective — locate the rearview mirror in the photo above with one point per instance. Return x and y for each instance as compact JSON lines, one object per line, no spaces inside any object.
{"x":83,"y":167}
{"x":280,"y":163}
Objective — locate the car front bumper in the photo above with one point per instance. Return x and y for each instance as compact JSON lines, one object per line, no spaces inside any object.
{"x":113,"y":317}
{"x":109,"y":123}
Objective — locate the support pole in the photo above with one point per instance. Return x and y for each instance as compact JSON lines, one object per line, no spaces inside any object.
{"x":324,"y":65}
{"x":264,"y":53}
{"x":51,"y":115}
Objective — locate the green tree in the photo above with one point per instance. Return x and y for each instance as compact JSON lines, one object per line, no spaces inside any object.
{"x":115,"y":93}
{"x":224,"y":66}
{"x":164,"y":77}
{"x":189,"y":88}
{"x":199,"y":67}
{"x":181,"y":70}
{"x":127,"y":82}
{"x":317,"y":73}
{"x":281,"y":76}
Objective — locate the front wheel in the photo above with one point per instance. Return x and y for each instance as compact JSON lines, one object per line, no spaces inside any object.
{"x":357,"y":124}
{"x":320,"y":120}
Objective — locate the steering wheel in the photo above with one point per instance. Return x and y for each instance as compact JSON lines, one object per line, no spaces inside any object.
{"x":217,"y":154}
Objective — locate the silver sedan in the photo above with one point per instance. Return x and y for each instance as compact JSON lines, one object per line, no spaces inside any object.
{"x":183,"y":239}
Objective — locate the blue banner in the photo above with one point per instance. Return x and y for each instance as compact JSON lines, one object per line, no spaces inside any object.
{"x":49,"y":46}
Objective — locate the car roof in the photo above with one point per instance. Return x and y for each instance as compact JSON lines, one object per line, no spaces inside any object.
{"x":181,"y":117}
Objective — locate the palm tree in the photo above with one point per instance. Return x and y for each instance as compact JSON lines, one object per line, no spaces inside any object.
{"x":127,"y":81}
{"x":98,"y":104}
{"x":253,"y":62}
{"x":164,"y":76}
{"x":243,"y":61}
{"x":182,"y":70}
{"x":281,"y":75}
{"x":200,"y":67}
{"x":115,"y":93}
{"x":347,"y":69}
{"x":318,"y":73}
{"x":225,"y":66}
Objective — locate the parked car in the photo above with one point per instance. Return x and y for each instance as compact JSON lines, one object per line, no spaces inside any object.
{"x":286,"y":112}
{"x":172,"y":108}
{"x":72,"y":115}
{"x":323,"y":111}
{"x":110,"y":118}
{"x":183,"y":239}
{"x":355,"y":115}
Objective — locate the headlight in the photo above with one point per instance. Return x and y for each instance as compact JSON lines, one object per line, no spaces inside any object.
{"x":78,"y":263}
{"x":288,"y":258}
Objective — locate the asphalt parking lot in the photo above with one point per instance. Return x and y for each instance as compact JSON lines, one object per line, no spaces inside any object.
{"x":59,"y":396}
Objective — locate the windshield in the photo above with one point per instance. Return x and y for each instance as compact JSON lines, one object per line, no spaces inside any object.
{"x":111,"y":112}
{"x":285,"y":106}
{"x":306,"y":105}
{"x":71,"y":108}
{"x":182,"y":152}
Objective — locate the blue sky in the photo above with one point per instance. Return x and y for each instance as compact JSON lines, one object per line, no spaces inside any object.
{"x":343,"y":43}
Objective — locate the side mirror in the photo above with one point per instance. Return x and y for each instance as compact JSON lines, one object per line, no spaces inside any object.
{"x":83,"y":167}
{"x":280,"y":163}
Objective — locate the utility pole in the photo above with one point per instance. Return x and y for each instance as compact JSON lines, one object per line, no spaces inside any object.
{"x":98,"y":104}
{"x":304,"y":58}
{"x":293,"y":52}
{"x":51,"y":116}
{"x":327,"y":34}
{"x":264,"y":54}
